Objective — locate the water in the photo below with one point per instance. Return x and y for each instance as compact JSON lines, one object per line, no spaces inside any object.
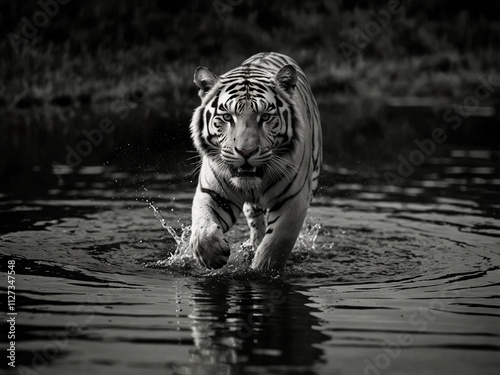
{"x":383,"y":280}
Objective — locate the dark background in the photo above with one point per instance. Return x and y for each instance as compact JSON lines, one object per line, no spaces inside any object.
{"x":94,"y":54}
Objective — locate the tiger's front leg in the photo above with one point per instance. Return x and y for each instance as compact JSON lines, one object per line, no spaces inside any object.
{"x":256,"y":223}
{"x":284,"y":223}
{"x":212,"y":216}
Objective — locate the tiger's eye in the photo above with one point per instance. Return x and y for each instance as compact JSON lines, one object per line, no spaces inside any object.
{"x":265,"y":116}
{"x":227,"y":117}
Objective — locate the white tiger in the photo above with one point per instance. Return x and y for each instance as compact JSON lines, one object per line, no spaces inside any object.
{"x":258,"y":133}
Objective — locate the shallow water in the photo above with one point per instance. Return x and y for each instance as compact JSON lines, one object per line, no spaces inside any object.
{"x":383,"y":280}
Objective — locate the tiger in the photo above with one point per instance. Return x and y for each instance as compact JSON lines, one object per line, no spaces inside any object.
{"x":258,"y":134}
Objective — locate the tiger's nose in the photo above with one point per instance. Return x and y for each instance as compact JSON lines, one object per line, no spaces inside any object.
{"x":246,"y":153}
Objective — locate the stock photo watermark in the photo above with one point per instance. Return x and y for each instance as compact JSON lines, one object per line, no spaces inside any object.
{"x":58,"y":341}
{"x":453,"y":116}
{"x":121,"y":109}
{"x":11,"y":312}
{"x":362,"y":37}
{"x":225,"y":7}
{"x":28,"y":28}
{"x":419,"y":320}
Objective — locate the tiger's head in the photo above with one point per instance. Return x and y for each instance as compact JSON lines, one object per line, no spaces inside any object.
{"x":246,"y":124}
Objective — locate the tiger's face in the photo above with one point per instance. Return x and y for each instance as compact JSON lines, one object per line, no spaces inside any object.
{"x":246,"y":125}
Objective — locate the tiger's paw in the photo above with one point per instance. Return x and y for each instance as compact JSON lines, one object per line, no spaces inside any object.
{"x":209,"y":246}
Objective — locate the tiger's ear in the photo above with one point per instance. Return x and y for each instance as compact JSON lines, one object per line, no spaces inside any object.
{"x":286,"y":78}
{"x":205,"y":79}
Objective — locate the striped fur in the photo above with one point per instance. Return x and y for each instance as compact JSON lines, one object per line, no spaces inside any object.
{"x":258,"y":133}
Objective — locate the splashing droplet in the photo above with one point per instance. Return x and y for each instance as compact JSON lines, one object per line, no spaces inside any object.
{"x":181,"y":257}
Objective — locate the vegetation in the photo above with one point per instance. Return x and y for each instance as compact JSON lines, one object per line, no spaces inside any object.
{"x":93,"y":57}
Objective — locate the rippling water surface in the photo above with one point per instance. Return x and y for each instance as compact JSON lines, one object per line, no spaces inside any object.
{"x":383,"y":280}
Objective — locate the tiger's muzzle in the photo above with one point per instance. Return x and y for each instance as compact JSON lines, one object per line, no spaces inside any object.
{"x":247,"y":169}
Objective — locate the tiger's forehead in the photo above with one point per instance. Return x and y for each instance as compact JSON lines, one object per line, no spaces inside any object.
{"x":247,"y":93}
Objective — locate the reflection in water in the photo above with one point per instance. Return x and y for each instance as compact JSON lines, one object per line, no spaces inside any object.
{"x":261,"y":324}
{"x":373,"y":256}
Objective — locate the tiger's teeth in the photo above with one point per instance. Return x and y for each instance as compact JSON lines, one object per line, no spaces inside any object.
{"x":253,"y":170}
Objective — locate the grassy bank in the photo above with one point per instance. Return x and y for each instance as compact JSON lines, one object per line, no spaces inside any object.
{"x":133,"y":63}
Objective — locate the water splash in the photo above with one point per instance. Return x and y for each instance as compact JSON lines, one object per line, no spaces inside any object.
{"x":181,"y":257}
{"x":163,"y":222}
{"x":308,"y":236}
{"x":307,"y":248}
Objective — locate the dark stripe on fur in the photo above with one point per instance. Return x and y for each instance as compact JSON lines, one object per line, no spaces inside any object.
{"x":223,"y":203}
{"x":221,"y":220}
{"x":280,"y":204}
{"x":273,"y":221}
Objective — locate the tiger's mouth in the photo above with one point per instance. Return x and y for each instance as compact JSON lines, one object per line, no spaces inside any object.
{"x":247,"y":170}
